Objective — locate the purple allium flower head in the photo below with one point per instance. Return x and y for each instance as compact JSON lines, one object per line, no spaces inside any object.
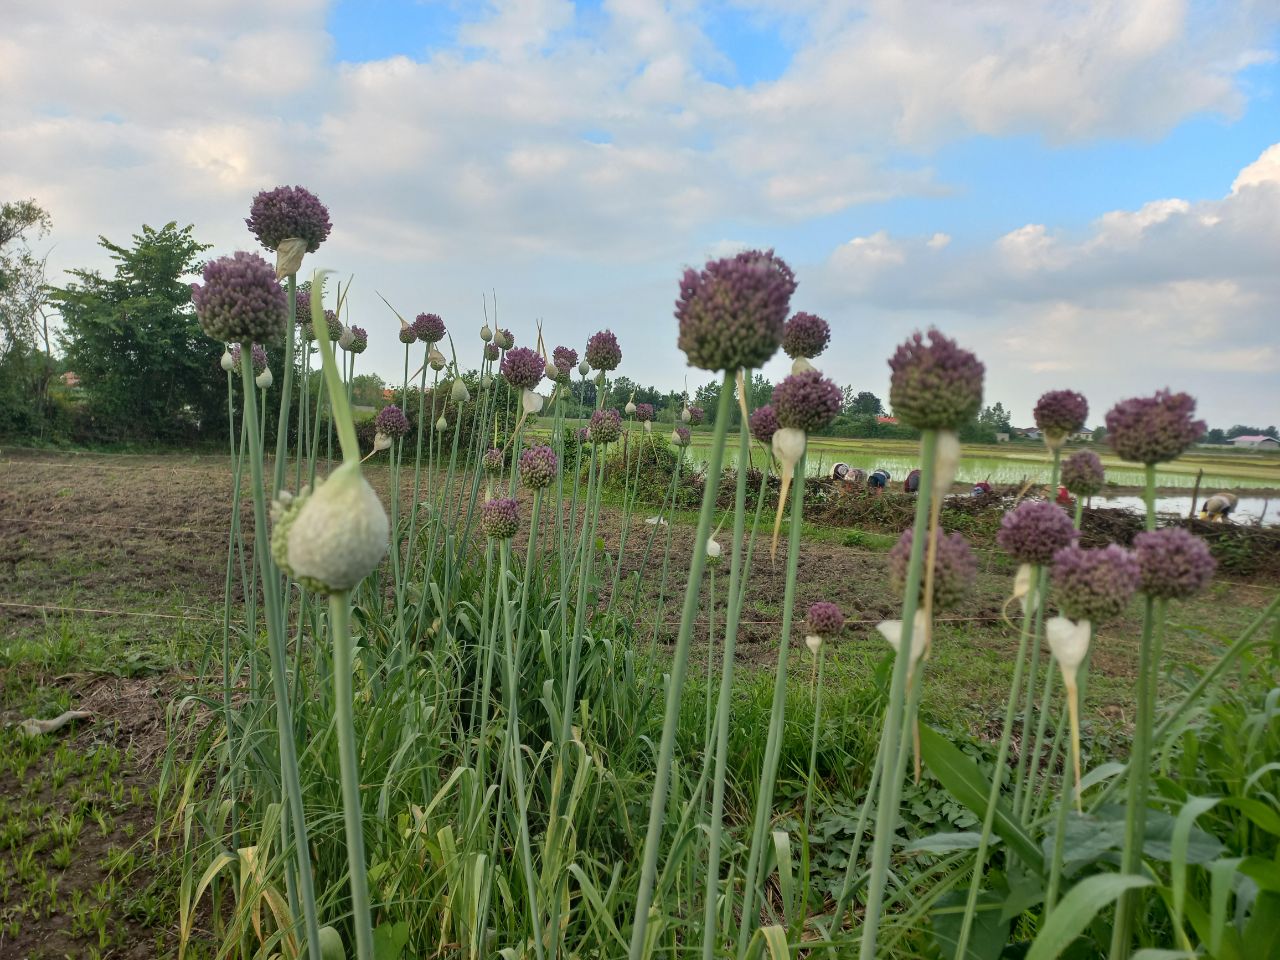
{"x":606,"y":426}
{"x":1035,"y":530}
{"x":391,"y":421}
{"x":538,"y":467}
{"x":258,"y":354}
{"x":825,"y":619}
{"x":523,"y":368}
{"x":241,"y":300}
{"x":1082,"y":473}
{"x":407,"y":335}
{"x":805,"y":335}
{"x":1094,"y":585}
{"x":807,"y":401}
{"x":500,"y":518}
{"x":681,"y":436}
{"x":308,"y":332}
{"x":1175,"y":564}
{"x":583,"y":434}
{"x":1153,"y":429}
{"x":505,"y":339}
{"x":564,"y":359}
{"x":359,"y":340}
{"x":731,"y":313}
{"x":764,"y":423}
{"x":334,"y":324}
{"x":493,"y":460}
{"x":288,"y":212}
{"x":603,"y":352}
{"x":428,"y":327}
{"x":954,"y":573}
{"x":696,"y":415}
{"x":303,"y":300}
{"x":644,"y":411}
{"x":1061,"y":412}
{"x":492,"y":351}
{"x":935,"y":386}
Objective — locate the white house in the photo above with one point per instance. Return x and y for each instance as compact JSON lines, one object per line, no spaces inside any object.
{"x":1256,"y":442}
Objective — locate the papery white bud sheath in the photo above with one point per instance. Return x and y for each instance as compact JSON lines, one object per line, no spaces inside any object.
{"x":485,"y":380}
{"x":436,"y":359}
{"x":1069,"y":643}
{"x":1022,"y":589}
{"x":551,"y":370}
{"x":442,"y":424}
{"x":788,"y":446}
{"x":381,"y":441}
{"x":891,"y":630}
{"x":713,"y":549}
{"x":485,"y":333}
{"x":814,"y":643}
{"x":630,"y":408}
{"x":347,"y":337}
{"x":946,"y":462}
{"x":685,"y":415}
{"x":530,"y":402}
{"x":801,"y":365}
{"x":227,"y":362}
{"x":459,"y":393}
{"x":264,"y":379}
{"x":340,"y":532}
{"x":289,"y":256}
{"x":584,"y":368}
{"x":648,"y":426}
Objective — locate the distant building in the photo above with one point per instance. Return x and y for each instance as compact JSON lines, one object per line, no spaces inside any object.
{"x":1002,"y":438}
{"x":892,"y":421}
{"x":1027,"y":433}
{"x":1084,"y":436}
{"x":1256,"y":442}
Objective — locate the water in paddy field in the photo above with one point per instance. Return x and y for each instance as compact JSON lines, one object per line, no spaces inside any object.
{"x":1247,"y":512}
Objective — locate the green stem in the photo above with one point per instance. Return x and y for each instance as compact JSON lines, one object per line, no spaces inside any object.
{"x":286,"y":387}
{"x":349,"y":770}
{"x":895,"y":727}
{"x":1060,"y":821}
{"x":679,"y":667}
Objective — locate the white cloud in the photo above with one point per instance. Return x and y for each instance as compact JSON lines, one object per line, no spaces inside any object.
{"x":938,"y":241}
{"x":1266,"y":169}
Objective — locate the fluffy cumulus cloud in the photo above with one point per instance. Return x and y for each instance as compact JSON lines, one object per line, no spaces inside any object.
{"x":575,"y":158}
{"x":1173,"y":293}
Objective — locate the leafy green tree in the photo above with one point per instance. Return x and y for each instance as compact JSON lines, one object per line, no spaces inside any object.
{"x":366,"y":389}
{"x":146,"y":368}
{"x":26,"y":360}
{"x":996,"y":419}
{"x":864,"y":403}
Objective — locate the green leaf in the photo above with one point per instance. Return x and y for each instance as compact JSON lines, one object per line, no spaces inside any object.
{"x":1086,"y":838}
{"x":961,"y":776}
{"x":1265,"y":873}
{"x":1262,"y":932}
{"x":1100,"y":773}
{"x":1181,"y":840}
{"x":1077,"y":910}
{"x":947,"y":843}
{"x":989,"y":933}
{"x":1156,"y":953}
{"x":389,"y":940}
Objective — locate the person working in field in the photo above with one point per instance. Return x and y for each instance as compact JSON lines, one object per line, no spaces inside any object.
{"x":847,"y":478}
{"x":1218,"y":507}
{"x":912,"y":483}
{"x":878,"y":481}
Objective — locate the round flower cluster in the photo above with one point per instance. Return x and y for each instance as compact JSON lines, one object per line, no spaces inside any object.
{"x":523,"y":368}
{"x":334,"y":324}
{"x":258,"y":355}
{"x":538,"y":467}
{"x":732,"y":312}
{"x":603,"y":352}
{"x":500,"y":518}
{"x":681,"y":436}
{"x":1060,"y":413}
{"x":564,"y":359}
{"x":807,"y":401}
{"x":504,"y":339}
{"x":1153,"y":429}
{"x":407,"y":336}
{"x":1175,"y":564}
{"x":1094,"y":585}
{"x":606,"y":426}
{"x":805,"y":335}
{"x":428,"y":327}
{"x":493,"y":460}
{"x":391,"y":421}
{"x":241,"y":300}
{"x":359,"y":340}
{"x":302,"y":301}
{"x":1035,"y":530}
{"x":288,"y":212}
{"x":954,"y":573}
{"x":492,"y":351}
{"x":697,"y":415}
{"x":644,"y":412}
{"x":764,"y":423}
{"x":935,"y":386}
{"x":825,"y":619}
{"x":1082,"y":473}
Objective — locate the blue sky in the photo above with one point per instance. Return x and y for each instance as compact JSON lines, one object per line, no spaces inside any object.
{"x":1086,"y":192}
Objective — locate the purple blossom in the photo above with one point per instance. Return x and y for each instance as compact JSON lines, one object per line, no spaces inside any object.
{"x":288,"y":212}
{"x":807,"y":401}
{"x":493,"y":460}
{"x":359,"y":340}
{"x":954,"y":573}
{"x":644,"y":412}
{"x":504,"y":339}
{"x":258,"y":355}
{"x":500,"y":518}
{"x":681,"y":436}
{"x":606,"y":426}
{"x":334,"y":324}
{"x":1153,"y":429}
{"x":538,"y":467}
{"x":935,"y":386}
{"x":603,"y":352}
{"x":391,"y":421}
{"x":1082,"y":473}
{"x":732,"y":312}
{"x":492,"y":351}
{"x":523,"y":368}
{"x":696,"y":415}
{"x":428,"y":327}
{"x":764,"y":423}
{"x":825,"y":619}
{"x":1094,"y":585}
{"x":564,"y":359}
{"x":805,"y":335}
{"x":302,"y":313}
{"x":1175,"y":564}
{"x":1035,"y":530}
{"x":241,"y":300}
{"x":1060,"y":413}
{"x":583,"y":434}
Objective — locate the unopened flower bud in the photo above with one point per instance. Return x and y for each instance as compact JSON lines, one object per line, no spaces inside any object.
{"x":713,"y":550}
{"x":264,"y":379}
{"x":436,"y":359}
{"x":227,"y":362}
{"x":685,"y":415}
{"x":381,"y":442}
{"x":630,"y":408}
{"x":1069,"y":643}
{"x":485,"y":380}
{"x":459,"y":393}
{"x":814,"y":643}
{"x":331,"y":538}
{"x":485,"y":333}
{"x":442,"y":424}
{"x":891,"y":630}
{"x":946,"y":462}
{"x":551,"y":371}
{"x":584,"y":368}
{"x":345,"y":340}
{"x":530,"y":402}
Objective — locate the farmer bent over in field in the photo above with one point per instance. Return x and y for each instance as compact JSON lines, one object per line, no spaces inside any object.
{"x":912,"y":483}
{"x":878,"y":481}
{"x":1219,"y":506}
{"x":847,"y":477}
